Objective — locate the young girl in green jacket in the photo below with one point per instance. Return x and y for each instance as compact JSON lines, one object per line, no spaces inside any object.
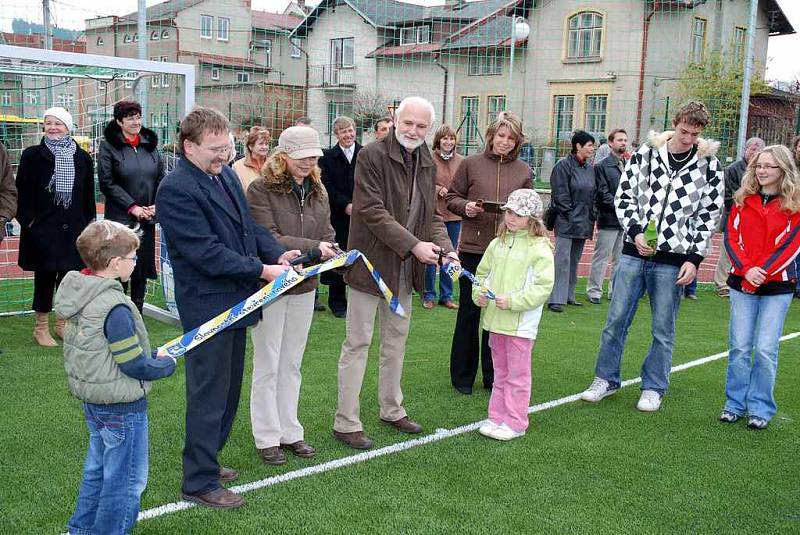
{"x":518,"y":269}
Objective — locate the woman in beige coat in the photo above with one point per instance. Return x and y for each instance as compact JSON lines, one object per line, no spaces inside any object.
{"x":291,"y":202}
{"x":256,"y":151}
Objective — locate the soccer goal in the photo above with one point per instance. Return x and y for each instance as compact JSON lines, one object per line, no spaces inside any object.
{"x":87,"y":86}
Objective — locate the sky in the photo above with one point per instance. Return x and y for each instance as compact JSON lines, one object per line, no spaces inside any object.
{"x":781,"y":63}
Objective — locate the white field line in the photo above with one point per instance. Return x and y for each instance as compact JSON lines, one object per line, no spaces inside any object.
{"x":440,"y":434}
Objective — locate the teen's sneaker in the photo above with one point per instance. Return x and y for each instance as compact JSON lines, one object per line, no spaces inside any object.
{"x":599,"y":389}
{"x":649,"y":402}
{"x":487,"y":428}
{"x":757,"y":422}
{"x":503,"y":432}
{"x":728,"y":417}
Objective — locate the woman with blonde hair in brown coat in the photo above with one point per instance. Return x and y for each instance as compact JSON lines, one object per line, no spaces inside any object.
{"x":291,"y":202}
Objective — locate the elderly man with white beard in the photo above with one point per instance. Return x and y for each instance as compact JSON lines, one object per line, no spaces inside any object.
{"x":394,"y":223}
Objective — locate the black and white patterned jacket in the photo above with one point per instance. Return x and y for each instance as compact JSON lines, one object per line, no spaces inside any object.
{"x":686,"y":205}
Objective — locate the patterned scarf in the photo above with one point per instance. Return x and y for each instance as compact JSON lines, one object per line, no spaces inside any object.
{"x":64,"y":175}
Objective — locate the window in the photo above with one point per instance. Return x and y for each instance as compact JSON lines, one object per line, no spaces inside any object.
{"x":154,"y":35}
{"x":595,"y":118}
{"x":136,"y":38}
{"x":415,"y":35}
{"x":223,"y":28}
{"x":469,"y":121}
{"x":164,"y":76}
{"x":215,"y":73}
{"x":100,"y":41}
{"x":153,"y":120}
{"x":342,"y":52}
{"x":296,"y":49}
{"x":698,"y":39}
{"x":484,"y":65}
{"x":65,"y":100}
{"x":562,"y":117}
{"x":130,"y":78}
{"x":494,"y":105}
{"x":333,"y":112}
{"x":739,"y":39}
{"x":206,"y":26}
{"x":126,"y":39}
{"x":155,"y":79}
{"x":33,"y":98}
{"x":267,"y":44}
{"x":6,"y":100}
{"x":242,"y":77}
{"x":165,"y":35}
{"x":585,"y":35}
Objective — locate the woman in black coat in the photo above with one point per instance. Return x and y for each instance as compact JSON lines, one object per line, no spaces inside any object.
{"x":55,"y":185}
{"x":573,"y":188}
{"x":129,"y":171}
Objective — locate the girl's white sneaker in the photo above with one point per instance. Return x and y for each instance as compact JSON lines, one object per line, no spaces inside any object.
{"x":487,"y":428}
{"x":503,"y":432}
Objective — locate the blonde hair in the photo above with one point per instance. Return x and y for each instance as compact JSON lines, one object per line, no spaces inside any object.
{"x":790,"y":178}
{"x":535,"y":227}
{"x":103,"y":240}
{"x":514,"y":125}
{"x":276,"y":166}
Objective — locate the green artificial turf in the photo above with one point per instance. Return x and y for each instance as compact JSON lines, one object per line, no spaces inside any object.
{"x":580,"y":468}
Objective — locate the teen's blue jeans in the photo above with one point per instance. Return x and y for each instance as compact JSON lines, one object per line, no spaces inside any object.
{"x":445,"y":283}
{"x":114,"y":473}
{"x":755,"y":330}
{"x":632,"y":278}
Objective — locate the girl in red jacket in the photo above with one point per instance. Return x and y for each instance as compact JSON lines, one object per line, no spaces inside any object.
{"x":762,"y":240}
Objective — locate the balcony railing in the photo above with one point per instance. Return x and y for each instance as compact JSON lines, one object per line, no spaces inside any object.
{"x":331,"y":76}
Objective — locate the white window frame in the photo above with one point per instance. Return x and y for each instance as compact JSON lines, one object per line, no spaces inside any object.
{"x":164,"y":76}
{"x":492,"y":108}
{"x":206,"y":27}
{"x":470,"y":132}
{"x":66,"y":100}
{"x":100,"y":41}
{"x":558,"y":114}
{"x":164,"y":34}
{"x":485,"y":65}
{"x":297,"y":51}
{"x":153,"y":120}
{"x":415,"y":35}
{"x":578,"y":48}
{"x":154,"y":35}
{"x":136,"y":38}
{"x":32,"y":98}
{"x":698,"y":51}
{"x":242,"y":77}
{"x":592,"y":116}
{"x":344,"y":48}
{"x":127,"y":39}
{"x":223,"y":33}
{"x":6,"y":99}
{"x":155,"y":79}
{"x":739,"y":42}
{"x":215,"y":73}
{"x":129,"y":83}
{"x":267,"y":46}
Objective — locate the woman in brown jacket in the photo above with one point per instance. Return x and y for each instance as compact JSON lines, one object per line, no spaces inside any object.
{"x":290,"y":201}
{"x":447,"y":162}
{"x":482,"y":183}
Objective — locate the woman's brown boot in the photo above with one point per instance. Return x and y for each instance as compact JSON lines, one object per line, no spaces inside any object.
{"x":60,"y":328}
{"x":41,"y":331}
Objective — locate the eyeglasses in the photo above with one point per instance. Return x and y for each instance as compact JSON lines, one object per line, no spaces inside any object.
{"x":133,"y":258}
{"x":759,"y":167}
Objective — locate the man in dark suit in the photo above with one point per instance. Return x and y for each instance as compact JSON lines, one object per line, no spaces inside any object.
{"x":218,"y":256}
{"x":338,"y":165}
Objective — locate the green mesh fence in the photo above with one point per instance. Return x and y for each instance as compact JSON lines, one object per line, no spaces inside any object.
{"x":559,"y":64}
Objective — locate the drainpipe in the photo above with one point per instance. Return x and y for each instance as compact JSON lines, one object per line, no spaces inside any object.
{"x":444,"y":91}
{"x":640,"y":103}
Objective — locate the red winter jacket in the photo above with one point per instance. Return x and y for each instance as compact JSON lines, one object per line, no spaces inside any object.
{"x":763,"y":236}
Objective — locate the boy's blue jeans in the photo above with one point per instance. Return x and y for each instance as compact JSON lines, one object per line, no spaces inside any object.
{"x":755,"y":330}
{"x":445,"y":283}
{"x":114,"y":474}
{"x":632,"y":277}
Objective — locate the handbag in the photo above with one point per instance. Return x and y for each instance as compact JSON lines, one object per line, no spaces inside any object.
{"x":550,"y":217}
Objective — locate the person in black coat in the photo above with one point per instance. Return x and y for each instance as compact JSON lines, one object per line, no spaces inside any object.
{"x":338,"y":166}
{"x":55,"y":186}
{"x":218,"y":256}
{"x":129,"y":169}
{"x":609,"y":232}
{"x":572,"y":186}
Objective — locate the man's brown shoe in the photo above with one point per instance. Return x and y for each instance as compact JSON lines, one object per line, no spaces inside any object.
{"x":220,"y":498}
{"x":300,"y":448}
{"x":449,"y":304}
{"x":404,"y":425}
{"x":272,"y":455}
{"x":227,"y":474}
{"x":356,"y":439}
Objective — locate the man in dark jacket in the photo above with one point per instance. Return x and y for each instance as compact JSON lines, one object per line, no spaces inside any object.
{"x":8,"y":192}
{"x":609,"y":234}
{"x":338,"y":166}
{"x":218,"y":256}
{"x":733,"y":180}
{"x":572,"y":186}
{"x":396,"y":226}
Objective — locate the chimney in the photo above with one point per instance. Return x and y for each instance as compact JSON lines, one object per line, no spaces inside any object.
{"x":302,"y":5}
{"x":454,"y":5}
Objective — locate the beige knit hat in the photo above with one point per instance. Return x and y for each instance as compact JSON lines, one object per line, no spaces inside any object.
{"x":299,"y":142}
{"x":524,"y":202}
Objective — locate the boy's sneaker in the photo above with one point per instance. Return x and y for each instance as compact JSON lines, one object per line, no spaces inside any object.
{"x":728,"y":417}
{"x":503,"y":432}
{"x":757,"y":422}
{"x":487,"y":428}
{"x":599,"y":389}
{"x":649,"y":402}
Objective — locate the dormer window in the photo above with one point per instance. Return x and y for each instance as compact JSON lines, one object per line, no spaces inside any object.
{"x":416,"y":35}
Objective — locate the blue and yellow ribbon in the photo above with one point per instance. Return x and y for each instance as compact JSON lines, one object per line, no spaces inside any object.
{"x":269,"y":293}
{"x":454,"y":271}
